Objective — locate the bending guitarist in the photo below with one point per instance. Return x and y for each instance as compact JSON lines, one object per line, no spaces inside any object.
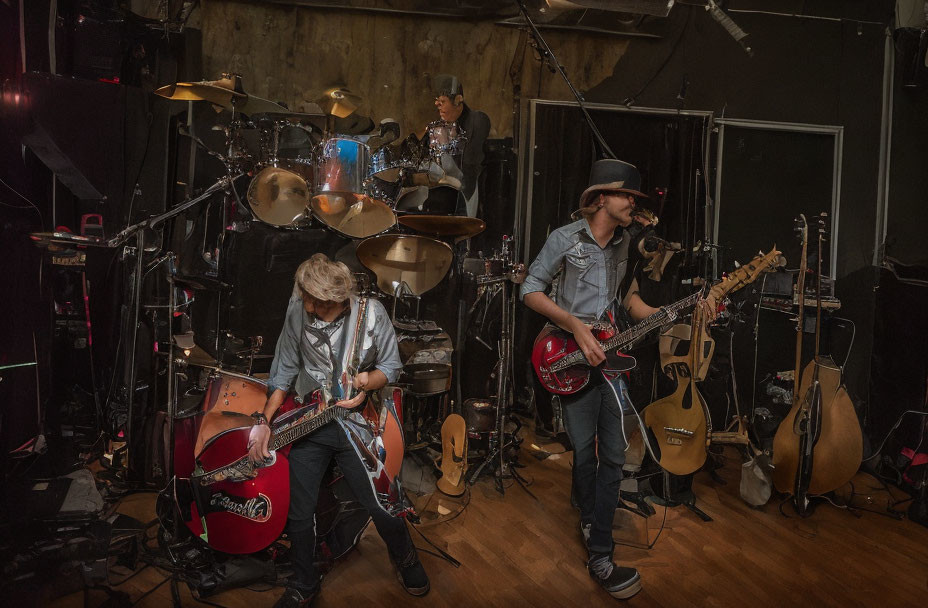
{"x":589,"y":258}
{"x":311,"y":352}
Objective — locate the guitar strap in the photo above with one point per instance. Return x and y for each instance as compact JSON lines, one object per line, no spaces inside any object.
{"x":622,"y":397}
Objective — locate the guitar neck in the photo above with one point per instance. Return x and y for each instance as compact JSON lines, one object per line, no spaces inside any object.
{"x":659,"y":318}
{"x":298,"y":431}
{"x":633,"y":333}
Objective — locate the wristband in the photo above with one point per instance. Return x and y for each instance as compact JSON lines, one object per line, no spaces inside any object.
{"x":260,"y":418}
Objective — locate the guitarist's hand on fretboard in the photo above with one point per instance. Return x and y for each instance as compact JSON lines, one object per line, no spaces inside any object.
{"x":258,"y":440}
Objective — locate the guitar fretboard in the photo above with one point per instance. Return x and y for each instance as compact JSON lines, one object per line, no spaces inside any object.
{"x":302,"y":429}
{"x":633,"y":333}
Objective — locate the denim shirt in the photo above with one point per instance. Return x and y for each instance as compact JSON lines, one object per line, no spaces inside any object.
{"x":588,"y":276}
{"x":302,"y":365}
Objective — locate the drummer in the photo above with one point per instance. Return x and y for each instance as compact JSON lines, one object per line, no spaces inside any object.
{"x":449,"y":99}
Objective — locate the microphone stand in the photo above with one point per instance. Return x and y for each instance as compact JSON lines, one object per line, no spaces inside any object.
{"x":548,"y":55}
{"x":138,"y":230}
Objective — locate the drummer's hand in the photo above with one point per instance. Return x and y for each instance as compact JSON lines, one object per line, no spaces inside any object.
{"x":361,"y":381}
{"x":349,"y":404}
{"x":257,"y":443}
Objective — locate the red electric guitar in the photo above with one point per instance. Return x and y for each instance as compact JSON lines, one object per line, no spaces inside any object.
{"x":561,"y":366}
{"x":238,"y":507}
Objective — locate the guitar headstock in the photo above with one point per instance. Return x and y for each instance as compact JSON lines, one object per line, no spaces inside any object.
{"x":801,"y":228}
{"x":746,"y":274}
{"x":821,"y":223}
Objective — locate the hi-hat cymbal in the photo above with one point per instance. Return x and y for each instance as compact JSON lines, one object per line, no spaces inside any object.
{"x":445,"y":225}
{"x":228,"y":93}
{"x":194,"y":355}
{"x":355,"y":215}
{"x":278,"y":196}
{"x":339,"y":102}
{"x":419,"y":262}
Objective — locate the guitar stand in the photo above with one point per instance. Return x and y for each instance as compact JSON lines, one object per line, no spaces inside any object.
{"x":689,"y":503}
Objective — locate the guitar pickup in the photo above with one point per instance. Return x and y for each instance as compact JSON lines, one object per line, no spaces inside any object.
{"x":681,"y":432}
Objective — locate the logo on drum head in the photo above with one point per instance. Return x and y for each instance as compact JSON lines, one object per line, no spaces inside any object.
{"x":256,"y":509}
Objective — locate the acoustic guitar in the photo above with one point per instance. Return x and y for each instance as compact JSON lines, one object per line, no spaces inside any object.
{"x":680,"y":422}
{"x":819,"y":445}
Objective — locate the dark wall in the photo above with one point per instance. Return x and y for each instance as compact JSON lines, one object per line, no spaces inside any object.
{"x":907,"y":217}
{"x":803,"y":70}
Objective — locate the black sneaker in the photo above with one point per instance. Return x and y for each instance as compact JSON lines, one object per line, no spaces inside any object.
{"x":414,"y":579}
{"x":620,"y":582}
{"x":294,"y":598}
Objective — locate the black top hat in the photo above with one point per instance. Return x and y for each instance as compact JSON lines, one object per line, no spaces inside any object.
{"x":613,"y":175}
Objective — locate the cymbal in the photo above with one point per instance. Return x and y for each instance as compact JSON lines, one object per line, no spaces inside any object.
{"x":228,"y":93}
{"x":445,"y":225}
{"x":339,"y":102}
{"x":419,"y":262}
{"x":278,"y":196}
{"x":194,"y":356}
{"x":355,"y":215}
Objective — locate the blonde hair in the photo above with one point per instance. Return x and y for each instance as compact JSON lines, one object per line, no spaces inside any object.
{"x":324,"y":279}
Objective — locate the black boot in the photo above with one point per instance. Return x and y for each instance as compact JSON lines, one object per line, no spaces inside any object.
{"x":412,"y":575}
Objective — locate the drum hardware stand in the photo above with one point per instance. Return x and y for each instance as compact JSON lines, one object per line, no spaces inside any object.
{"x":499,"y":445}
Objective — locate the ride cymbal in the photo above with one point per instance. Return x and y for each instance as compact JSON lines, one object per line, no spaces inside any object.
{"x":356,"y":215}
{"x":225,"y":92}
{"x":419,"y":262}
{"x":445,"y":225}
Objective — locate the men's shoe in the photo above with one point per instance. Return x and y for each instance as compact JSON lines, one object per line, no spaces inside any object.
{"x":294,"y":598}
{"x":585,"y":532}
{"x":620,"y":582}
{"x":414,"y":579}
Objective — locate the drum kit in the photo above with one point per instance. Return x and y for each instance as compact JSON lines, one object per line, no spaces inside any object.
{"x":355,"y":184}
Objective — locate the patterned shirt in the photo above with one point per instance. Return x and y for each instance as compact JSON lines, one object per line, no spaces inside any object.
{"x":307,"y":350}
{"x":588,"y":276}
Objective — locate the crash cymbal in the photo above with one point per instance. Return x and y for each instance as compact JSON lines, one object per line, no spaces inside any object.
{"x":355,"y":215}
{"x":225,"y":92}
{"x":445,"y":225}
{"x":419,"y":262}
{"x":278,"y":196}
{"x":339,"y":102}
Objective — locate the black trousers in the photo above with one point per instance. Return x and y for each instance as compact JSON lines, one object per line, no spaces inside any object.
{"x":309,"y":459}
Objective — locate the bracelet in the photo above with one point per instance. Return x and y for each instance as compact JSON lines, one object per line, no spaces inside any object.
{"x":259,"y":417}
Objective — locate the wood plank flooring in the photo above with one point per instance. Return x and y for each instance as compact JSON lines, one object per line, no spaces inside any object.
{"x":518,"y":551}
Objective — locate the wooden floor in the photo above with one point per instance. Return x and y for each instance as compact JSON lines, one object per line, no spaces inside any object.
{"x":518,"y":551}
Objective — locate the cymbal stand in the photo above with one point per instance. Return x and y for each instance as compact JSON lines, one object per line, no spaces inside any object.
{"x":402,"y":289}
